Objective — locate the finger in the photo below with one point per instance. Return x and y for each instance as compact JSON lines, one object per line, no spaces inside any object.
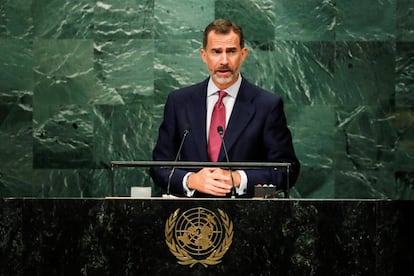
{"x":217,"y":192}
{"x":220,"y":187}
{"x":222,"y":176}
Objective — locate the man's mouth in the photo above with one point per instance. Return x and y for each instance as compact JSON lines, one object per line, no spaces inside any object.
{"x":223,"y":70}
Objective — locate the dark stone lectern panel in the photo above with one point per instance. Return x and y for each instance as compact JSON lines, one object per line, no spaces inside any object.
{"x":395,"y":226}
{"x":269,"y":237}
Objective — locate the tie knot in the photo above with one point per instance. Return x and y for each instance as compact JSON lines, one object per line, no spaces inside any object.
{"x":222,"y":94}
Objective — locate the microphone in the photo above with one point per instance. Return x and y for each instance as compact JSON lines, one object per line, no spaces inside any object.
{"x":220,"y":132}
{"x":186,"y":131}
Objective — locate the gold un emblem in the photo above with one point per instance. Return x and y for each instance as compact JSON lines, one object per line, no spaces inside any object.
{"x":198,"y":235}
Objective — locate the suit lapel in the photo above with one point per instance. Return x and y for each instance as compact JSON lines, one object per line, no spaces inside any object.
{"x":196,"y":112}
{"x":243,"y":112}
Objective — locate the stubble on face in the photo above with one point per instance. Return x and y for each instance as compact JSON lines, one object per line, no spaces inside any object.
{"x":223,"y":80}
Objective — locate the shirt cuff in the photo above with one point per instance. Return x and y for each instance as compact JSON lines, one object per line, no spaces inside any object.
{"x":187,"y":191}
{"x":242,"y":189}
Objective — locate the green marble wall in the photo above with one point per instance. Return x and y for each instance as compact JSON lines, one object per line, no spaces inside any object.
{"x":83,"y":82}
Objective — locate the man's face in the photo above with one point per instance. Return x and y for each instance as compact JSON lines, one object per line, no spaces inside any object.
{"x":223,"y":57}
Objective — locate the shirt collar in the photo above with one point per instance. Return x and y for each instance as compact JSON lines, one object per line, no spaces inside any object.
{"x":232,"y":90}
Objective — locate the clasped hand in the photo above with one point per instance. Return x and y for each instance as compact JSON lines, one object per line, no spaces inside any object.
{"x":214,"y":181}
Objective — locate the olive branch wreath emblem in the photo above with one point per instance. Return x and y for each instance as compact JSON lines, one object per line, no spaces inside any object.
{"x":184,"y":258}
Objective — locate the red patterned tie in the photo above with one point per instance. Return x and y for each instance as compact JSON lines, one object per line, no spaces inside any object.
{"x":218,"y":118}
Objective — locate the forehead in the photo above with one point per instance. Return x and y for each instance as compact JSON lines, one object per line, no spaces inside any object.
{"x":216,"y":40}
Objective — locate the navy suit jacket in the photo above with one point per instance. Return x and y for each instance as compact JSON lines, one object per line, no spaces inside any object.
{"x":256,"y":132}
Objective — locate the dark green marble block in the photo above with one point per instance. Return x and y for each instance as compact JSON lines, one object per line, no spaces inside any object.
{"x":83,"y":83}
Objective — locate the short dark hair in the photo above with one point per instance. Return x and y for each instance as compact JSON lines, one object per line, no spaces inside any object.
{"x":223,"y":26}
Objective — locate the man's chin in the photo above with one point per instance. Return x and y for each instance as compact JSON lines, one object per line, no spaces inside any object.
{"x":222,"y":79}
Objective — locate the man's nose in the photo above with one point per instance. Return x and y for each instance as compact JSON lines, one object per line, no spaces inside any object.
{"x":224,"y":58}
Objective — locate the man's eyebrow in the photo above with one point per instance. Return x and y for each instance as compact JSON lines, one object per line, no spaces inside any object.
{"x":219,"y":48}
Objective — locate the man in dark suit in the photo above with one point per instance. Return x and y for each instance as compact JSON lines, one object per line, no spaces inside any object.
{"x":253,"y":122}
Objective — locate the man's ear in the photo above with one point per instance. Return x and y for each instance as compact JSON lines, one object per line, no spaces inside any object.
{"x":203,"y":55}
{"x":244,"y":53}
